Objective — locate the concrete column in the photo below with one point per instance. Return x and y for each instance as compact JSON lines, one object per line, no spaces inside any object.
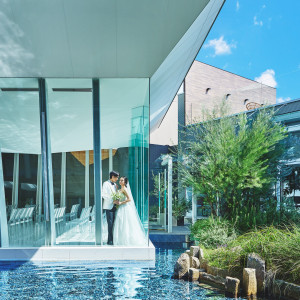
{"x":87,"y":180}
{"x":159,"y":196}
{"x":278,"y":187}
{"x":63,"y":179}
{"x":15,"y":190}
{"x":194,"y":207}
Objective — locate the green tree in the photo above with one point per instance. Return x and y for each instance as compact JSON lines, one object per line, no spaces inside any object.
{"x":233,"y":160}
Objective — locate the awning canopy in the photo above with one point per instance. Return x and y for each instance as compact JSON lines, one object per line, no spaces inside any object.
{"x":155,"y":39}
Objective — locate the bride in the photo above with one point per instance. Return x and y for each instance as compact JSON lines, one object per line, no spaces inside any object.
{"x":128,"y":229}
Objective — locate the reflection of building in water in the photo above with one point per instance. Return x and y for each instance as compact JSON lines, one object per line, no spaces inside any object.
{"x":127,"y":282}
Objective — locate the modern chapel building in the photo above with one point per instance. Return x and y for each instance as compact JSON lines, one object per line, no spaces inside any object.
{"x":81,"y":85}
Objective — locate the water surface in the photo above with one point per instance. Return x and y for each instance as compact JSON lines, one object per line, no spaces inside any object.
{"x":99,"y":280}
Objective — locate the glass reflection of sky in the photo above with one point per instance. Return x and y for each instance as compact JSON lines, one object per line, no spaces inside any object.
{"x":99,"y":280}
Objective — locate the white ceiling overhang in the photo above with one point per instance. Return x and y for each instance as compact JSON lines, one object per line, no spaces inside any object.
{"x":92,"y":38}
{"x":142,"y":39}
{"x":167,"y":80}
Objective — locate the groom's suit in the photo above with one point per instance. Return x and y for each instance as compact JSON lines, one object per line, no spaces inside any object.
{"x":108,"y":189}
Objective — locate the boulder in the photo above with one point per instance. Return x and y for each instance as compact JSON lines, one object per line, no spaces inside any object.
{"x":194,"y":251}
{"x":201,"y":254}
{"x":217,"y":271}
{"x":216,"y":281}
{"x":193,"y":274}
{"x":181,"y":269}
{"x":232,"y":286}
{"x":203,"y":264}
{"x":188,"y":252}
{"x":257,"y":263}
{"x":249,"y":282}
{"x":286,"y":289}
{"x":194,"y":262}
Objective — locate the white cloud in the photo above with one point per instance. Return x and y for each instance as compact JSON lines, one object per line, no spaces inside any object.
{"x":237,"y":5}
{"x":267,"y":77}
{"x":256,"y":22}
{"x":220,"y":46}
{"x":281,"y":99}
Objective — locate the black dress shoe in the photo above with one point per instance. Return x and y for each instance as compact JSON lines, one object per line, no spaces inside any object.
{"x":109,"y":243}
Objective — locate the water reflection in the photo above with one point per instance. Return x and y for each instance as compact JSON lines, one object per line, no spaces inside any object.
{"x":99,"y":280}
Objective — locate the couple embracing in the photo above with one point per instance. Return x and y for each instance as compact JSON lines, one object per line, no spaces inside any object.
{"x":123,"y":222}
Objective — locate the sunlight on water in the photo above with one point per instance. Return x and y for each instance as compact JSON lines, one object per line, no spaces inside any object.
{"x":99,"y":280}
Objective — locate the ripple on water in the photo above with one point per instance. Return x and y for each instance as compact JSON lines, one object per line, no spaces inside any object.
{"x":99,"y":280}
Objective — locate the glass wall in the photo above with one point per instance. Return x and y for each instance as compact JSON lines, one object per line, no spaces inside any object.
{"x":124,"y":127}
{"x":21,"y":147}
{"x":71,"y":133}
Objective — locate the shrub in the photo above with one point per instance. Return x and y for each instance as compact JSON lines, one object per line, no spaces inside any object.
{"x":213,"y":232}
{"x":280,"y":249}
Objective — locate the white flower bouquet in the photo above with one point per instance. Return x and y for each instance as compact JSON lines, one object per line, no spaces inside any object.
{"x":118,"y":196}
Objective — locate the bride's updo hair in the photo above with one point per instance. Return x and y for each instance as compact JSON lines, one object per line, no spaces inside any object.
{"x":125,"y":180}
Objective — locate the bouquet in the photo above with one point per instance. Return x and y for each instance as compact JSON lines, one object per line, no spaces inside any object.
{"x":118,"y":196}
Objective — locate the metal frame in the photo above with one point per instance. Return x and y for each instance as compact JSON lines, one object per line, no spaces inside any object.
{"x":110,"y":160}
{"x":47,"y":174}
{"x":39,"y":184}
{"x":87,"y":180}
{"x":15,"y":189}
{"x":3,"y":216}
{"x":97,"y":161}
{"x":63,"y":179}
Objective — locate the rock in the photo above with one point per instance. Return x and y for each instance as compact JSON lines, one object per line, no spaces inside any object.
{"x":201,"y":274}
{"x":194,"y":262}
{"x":216,"y":281}
{"x":249,"y":282}
{"x":217,"y":271}
{"x":203,"y":264}
{"x":257,"y":263}
{"x":188,"y":252}
{"x":232,"y":286}
{"x":201,"y":254}
{"x":286,"y":289}
{"x":181,"y":269}
{"x":193,"y":274}
{"x":194,"y":251}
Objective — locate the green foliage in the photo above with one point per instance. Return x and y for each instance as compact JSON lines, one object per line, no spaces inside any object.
{"x":153,"y":211}
{"x":233,"y":161}
{"x":213,"y":232}
{"x":280,"y":249}
{"x":180,"y":207}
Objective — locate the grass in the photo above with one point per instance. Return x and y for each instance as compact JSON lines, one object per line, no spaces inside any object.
{"x":280,"y":248}
{"x":213,"y":232}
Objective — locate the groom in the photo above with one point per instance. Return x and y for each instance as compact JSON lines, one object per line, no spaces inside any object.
{"x":110,"y":187}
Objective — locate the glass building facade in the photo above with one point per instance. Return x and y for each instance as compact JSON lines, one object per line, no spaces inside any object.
{"x":59,"y":139}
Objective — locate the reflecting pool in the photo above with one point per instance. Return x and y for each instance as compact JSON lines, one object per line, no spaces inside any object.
{"x":99,"y":280}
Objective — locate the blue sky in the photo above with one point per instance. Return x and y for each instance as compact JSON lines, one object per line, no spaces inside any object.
{"x":260,"y":40}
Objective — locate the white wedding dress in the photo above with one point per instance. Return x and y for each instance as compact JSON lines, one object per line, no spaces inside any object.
{"x":128,"y":229}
